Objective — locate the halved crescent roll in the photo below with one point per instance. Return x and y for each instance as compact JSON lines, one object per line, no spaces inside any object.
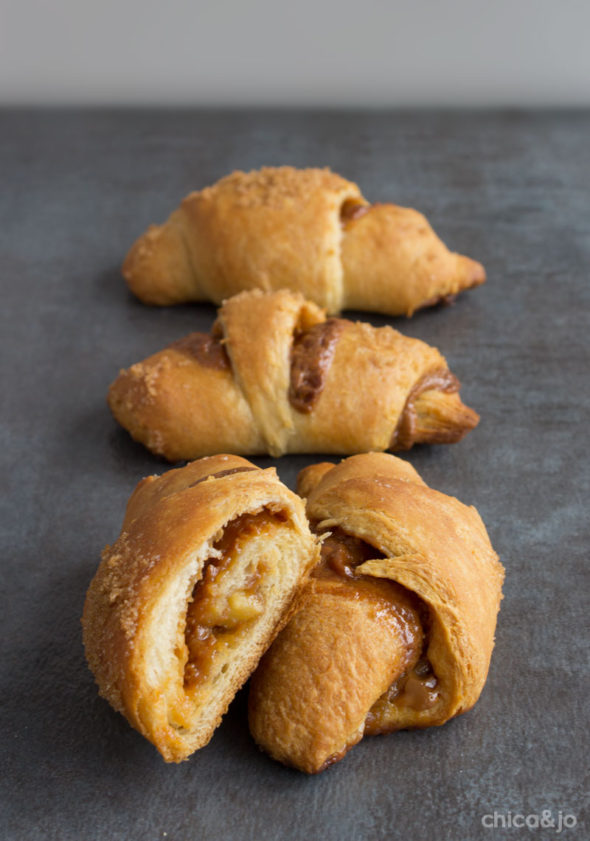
{"x":204,"y":574}
{"x":396,"y":625}
{"x":309,"y":230}
{"x":276,"y":376}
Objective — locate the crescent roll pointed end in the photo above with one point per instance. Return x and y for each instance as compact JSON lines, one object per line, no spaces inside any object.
{"x":204,"y":574}
{"x":410,"y":266}
{"x":434,"y":417}
{"x":471,"y":273}
{"x":442,"y":417}
{"x":157,"y":267}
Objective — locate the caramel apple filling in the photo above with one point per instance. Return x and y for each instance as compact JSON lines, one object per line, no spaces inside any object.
{"x":341,"y":554}
{"x":414,"y":686}
{"x":207,"y":348}
{"x":311,"y":356}
{"x":417,"y":690}
{"x":226,"y":600}
{"x":352,"y":209}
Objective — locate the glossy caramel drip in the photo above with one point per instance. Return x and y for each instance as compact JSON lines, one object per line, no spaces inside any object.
{"x":415,"y":686}
{"x":417,"y":690}
{"x":342,"y":553}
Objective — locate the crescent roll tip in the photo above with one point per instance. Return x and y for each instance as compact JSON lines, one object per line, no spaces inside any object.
{"x":474,"y":273}
{"x":157,"y":267}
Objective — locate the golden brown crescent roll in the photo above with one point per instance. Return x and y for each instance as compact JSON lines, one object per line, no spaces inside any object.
{"x":183,"y":605}
{"x":396,"y":626}
{"x":304,"y":229}
{"x":275,"y":376}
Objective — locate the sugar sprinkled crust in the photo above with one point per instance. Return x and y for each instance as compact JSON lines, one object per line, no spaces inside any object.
{"x":309,"y":230}
{"x":274,"y":187}
{"x":379,"y":389}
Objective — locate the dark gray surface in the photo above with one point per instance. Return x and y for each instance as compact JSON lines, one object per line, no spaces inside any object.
{"x":513,"y":190}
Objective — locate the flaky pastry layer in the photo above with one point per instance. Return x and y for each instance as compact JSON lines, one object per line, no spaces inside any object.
{"x":183,"y":605}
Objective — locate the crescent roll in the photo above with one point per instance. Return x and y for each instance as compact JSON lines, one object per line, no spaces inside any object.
{"x":276,"y":376}
{"x":396,"y":626}
{"x":304,"y":229}
{"x":183,"y":605}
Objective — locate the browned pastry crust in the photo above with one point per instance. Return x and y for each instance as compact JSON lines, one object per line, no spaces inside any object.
{"x":348,"y":665}
{"x":304,"y":229}
{"x":202,"y":577}
{"x":276,"y":376}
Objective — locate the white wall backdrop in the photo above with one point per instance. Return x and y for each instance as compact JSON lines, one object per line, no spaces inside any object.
{"x":328,"y":52}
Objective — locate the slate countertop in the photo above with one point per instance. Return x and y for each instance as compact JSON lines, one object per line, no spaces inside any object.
{"x":511,"y":189}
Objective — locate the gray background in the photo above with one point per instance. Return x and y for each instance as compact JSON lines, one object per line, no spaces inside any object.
{"x":510,"y":188}
{"x":342,"y":52}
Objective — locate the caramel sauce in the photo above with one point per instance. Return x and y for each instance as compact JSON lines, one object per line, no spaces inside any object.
{"x":311,"y":357}
{"x":416,"y":690}
{"x":206,"y":348}
{"x":341,"y":553}
{"x":352,"y":209}
{"x":212,"y":617}
{"x":417,"y":687}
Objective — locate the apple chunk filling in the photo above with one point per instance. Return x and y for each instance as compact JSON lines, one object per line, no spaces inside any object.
{"x":229,"y":596}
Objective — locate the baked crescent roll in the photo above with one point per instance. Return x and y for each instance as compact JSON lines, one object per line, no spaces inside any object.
{"x":276,"y":376}
{"x":183,"y":605}
{"x":304,"y":229}
{"x":396,"y":626}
